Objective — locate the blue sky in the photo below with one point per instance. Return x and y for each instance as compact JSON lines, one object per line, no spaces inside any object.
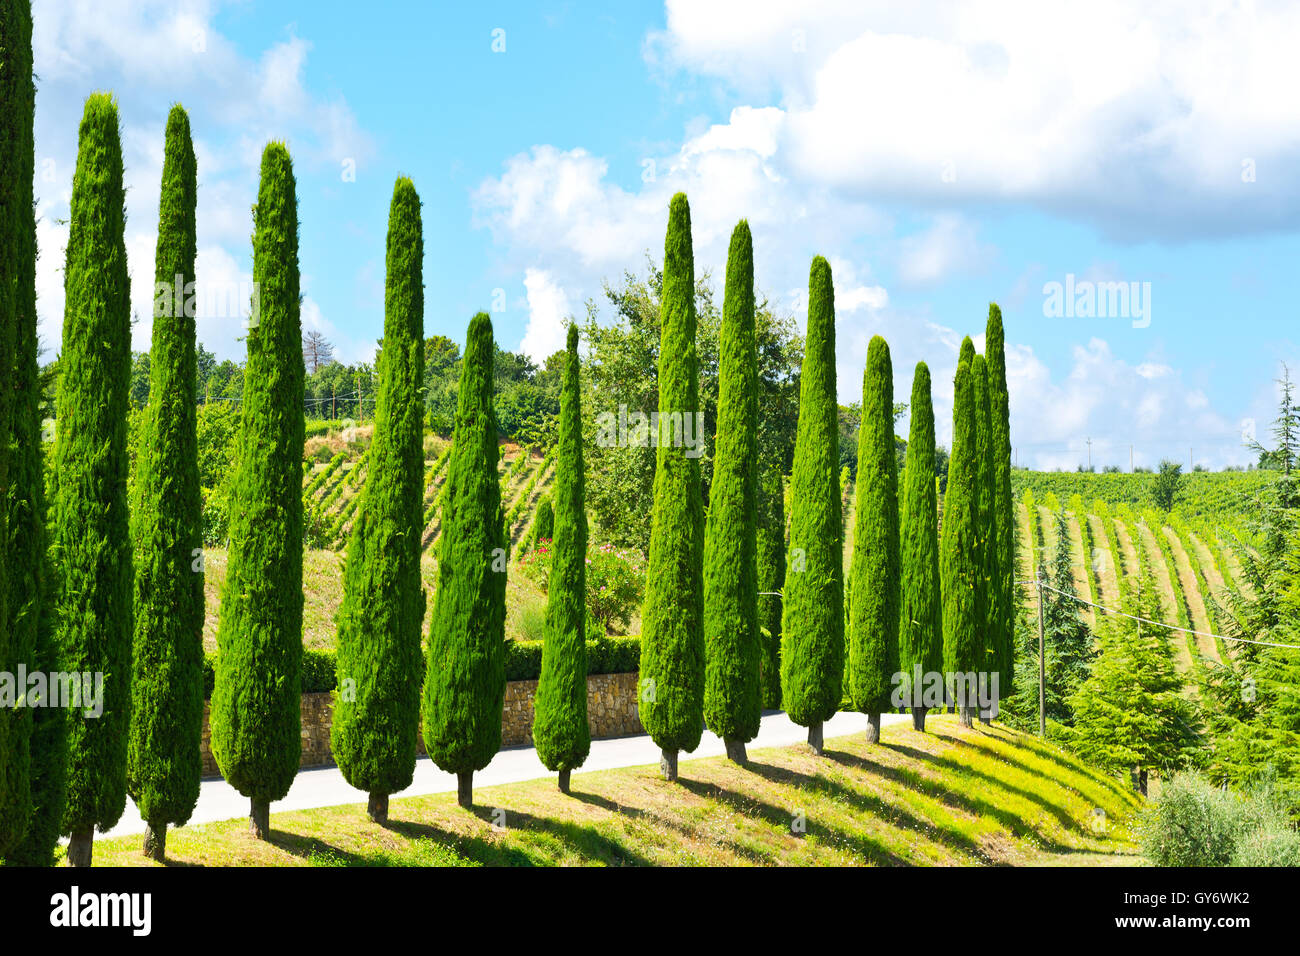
{"x":941,"y":156}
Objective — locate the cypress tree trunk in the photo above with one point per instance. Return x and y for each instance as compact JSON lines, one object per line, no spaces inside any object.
{"x":1003,"y":638}
{"x":771,"y":579}
{"x":465,"y":788}
{"x":560,"y":729}
{"x":668,"y":764}
{"x":377,"y":808}
{"x":812,"y":622}
{"x":874,"y":569}
{"x":91,"y":534}
{"x":164,"y":762}
{"x":155,"y":841}
{"x":960,"y":561}
{"x":259,"y":818}
{"x":732,"y":678}
{"x":465,"y":683}
{"x":672,"y":625}
{"x":373,"y":734}
{"x":255,"y":718}
{"x":920,"y":619}
{"x":17,"y":246}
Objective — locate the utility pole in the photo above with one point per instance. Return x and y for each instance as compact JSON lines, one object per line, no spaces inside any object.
{"x":1042,"y":667}
{"x":1090,"y":453}
{"x":332,"y":390}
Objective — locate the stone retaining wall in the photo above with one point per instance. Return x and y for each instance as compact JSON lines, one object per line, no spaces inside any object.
{"x":611,"y":712}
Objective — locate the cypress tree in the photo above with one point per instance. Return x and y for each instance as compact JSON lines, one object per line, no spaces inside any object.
{"x":812,"y":620}
{"x":1002,"y":633}
{"x":255,"y":711}
{"x":920,"y":619}
{"x":163,"y":759}
{"x":874,"y":574}
{"x":465,"y":684}
{"x":373,"y":735}
{"x":30,"y":575}
{"x":732,"y":679}
{"x":545,"y":525}
{"x":16,"y":642}
{"x":988,"y":605}
{"x":770,"y":550}
{"x":960,"y":563}
{"x":672,"y":619}
{"x":92,"y":540}
{"x":560,"y":729}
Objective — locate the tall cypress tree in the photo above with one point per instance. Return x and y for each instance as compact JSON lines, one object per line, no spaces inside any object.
{"x":373,"y":735}
{"x":15,"y":642}
{"x":960,"y":560}
{"x":560,"y":729}
{"x":32,"y":630}
{"x":920,"y":618}
{"x":465,"y":684}
{"x":255,"y":712}
{"x":163,"y":758}
{"x":732,"y":677}
{"x":812,"y":621}
{"x":1002,"y":634}
{"x":770,"y":550}
{"x":92,"y":540}
{"x":874,"y":574}
{"x":672,"y":619}
{"x":986,"y":597}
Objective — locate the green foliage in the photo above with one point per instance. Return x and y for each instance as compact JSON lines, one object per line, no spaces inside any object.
{"x":770,"y":552}
{"x":163,"y":759}
{"x":812,"y":622}
{"x":17,"y":245}
{"x":732,"y":677}
{"x":560,"y":730}
{"x":622,"y":369}
{"x":1167,"y":485}
{"x":29,"y":737}
{"x":875,"y":573}
{"x":373,"y":734}
{"x":1194,"y":823}
{"x":255,"y":716}
{"x":672,"y":625}
{"x":960,"y":554}
{"x":1131,"y":713}
{"x":464,"y":683}
{"x":544,"y":523}
{"x":1001,"y":639}
{"x":92,"y":542}
{"x":920,"y":622}
{"x":986,"y":593}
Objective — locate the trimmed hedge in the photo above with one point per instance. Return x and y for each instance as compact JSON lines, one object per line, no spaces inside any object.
{"x":605,"y":655}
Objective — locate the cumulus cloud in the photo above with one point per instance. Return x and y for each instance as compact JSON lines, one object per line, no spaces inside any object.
{"x":975,"y":102}
{"x":548,"y":313}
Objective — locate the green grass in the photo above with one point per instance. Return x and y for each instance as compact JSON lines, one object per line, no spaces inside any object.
{"x":986,"y":796}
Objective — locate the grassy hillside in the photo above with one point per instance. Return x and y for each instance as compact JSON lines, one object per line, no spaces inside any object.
{"x":953,"y":797}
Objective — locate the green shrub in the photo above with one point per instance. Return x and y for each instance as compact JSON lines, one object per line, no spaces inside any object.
{"x":1195,"y":823}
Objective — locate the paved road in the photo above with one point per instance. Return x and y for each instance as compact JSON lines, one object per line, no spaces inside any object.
{"x":325,"y":786}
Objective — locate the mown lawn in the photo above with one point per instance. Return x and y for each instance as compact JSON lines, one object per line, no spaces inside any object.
{"x":950,"y":797}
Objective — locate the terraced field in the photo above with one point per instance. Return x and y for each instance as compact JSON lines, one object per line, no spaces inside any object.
{"x":1191,"y":558}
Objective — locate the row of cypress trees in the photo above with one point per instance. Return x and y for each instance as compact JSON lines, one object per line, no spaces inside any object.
{"x":913,"y":606}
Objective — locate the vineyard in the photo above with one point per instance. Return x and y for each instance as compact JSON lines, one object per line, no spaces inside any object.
{"x":1111,"y":526}
{"x":331,"y":499}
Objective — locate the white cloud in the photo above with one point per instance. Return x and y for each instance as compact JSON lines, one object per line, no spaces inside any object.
{"x":948,"y":247}
{"x":982,"y":101}
{"x":548,"y":312}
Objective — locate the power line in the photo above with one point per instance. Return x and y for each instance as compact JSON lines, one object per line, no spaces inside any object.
{"x":1172,"y":627}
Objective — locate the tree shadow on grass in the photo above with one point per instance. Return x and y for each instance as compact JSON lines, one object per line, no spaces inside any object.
{"x":865,"y":846}
{"x":1063,"y":818}
{"x":1077,"y":770}
{"x":315,"y":850}
{"x":969,"y":802}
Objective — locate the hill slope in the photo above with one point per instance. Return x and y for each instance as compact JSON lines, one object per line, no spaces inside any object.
{"x":952,"y":797}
